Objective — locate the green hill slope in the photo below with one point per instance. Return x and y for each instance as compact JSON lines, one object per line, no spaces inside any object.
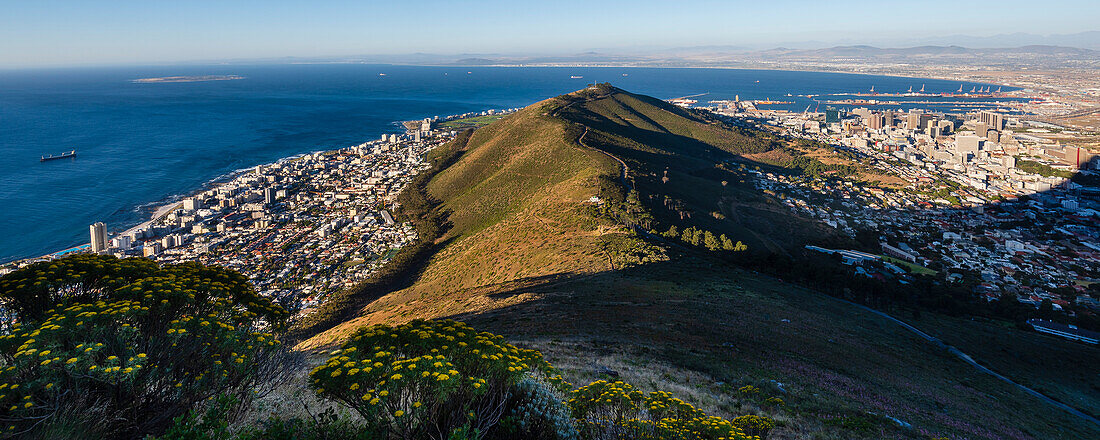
{"x":527,"y":254}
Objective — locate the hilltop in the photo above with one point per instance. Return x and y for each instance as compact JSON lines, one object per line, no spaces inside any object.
{"x":548,"y":230}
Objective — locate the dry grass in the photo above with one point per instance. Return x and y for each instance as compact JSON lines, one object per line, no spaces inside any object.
{"x":522,"y":260}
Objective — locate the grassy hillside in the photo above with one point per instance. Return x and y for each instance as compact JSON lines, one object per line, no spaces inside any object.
{"x":526,"y":254}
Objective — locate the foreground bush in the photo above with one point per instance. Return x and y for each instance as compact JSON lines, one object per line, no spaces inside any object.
{"x":428,"y":379}
{"x":128,"y":346}
{"x":754,"y":425}
{"x":444,"y":380}
{"x":615,"y":410}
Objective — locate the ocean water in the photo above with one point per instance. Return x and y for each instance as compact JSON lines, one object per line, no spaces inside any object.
{"x":142,"y":144}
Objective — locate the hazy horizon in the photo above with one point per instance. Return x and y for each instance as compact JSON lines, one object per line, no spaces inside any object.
{"x":69,"y":33}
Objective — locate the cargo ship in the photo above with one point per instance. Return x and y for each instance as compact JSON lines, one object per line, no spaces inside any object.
{"x":60,"y":156}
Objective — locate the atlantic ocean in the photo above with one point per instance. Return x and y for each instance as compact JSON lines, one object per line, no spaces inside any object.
{"x":142,"y":144}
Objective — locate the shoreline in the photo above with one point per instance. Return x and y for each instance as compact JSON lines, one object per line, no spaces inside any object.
{"x":149,"y":213}
{"x":161,"y":209}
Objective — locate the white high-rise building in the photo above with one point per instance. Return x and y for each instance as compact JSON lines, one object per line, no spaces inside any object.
{"x":98,"y":231}
{"x":192,"y":204}
{"x":121,"y":242}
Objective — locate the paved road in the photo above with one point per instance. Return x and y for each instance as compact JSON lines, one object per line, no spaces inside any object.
{"x":966,"y":358}
{"x":625,"y":168}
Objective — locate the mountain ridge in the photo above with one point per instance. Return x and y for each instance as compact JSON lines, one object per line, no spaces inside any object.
{"x":529,"y":254}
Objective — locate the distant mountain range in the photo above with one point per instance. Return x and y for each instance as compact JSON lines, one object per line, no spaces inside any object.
{"x":1006,"y":49}
{"x":1083,"y":40}
{"x":871,"y":51}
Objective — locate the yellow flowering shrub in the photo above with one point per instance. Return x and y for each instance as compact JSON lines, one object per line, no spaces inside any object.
{"x":755,"y":425}
{"x":31,"y":291}
{"x":427,"y":377}
{"x":138,"y":356}
{"x":617,"y":410}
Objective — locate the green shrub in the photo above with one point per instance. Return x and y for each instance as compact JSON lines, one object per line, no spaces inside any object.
{"x":427,"y":379}
{"x":754,"y":425}
{"x":83,"y":278}
{"x":615,"y":410}
{"x":211,"y":424}
{"x":141,"y":353}
{"x":538,"y":413}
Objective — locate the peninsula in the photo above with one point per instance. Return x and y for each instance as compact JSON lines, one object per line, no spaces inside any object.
{"x":184,"y":79}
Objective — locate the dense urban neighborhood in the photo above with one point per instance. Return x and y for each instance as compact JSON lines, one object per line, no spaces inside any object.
{"x":952,"y":195}
{"x":300,"y":228}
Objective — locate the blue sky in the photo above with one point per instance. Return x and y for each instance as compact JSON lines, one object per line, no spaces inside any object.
{"x":81,"y":32}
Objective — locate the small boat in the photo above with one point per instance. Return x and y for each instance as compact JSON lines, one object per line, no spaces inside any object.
{"x":381,"y":74}
{"x":757,"y":81}
{"x":60,"y":156}
{"x":576,"y":77}
{"x":625,"y":74}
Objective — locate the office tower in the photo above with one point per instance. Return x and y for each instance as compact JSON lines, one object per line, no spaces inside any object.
{"x":832,"y":115}
{"x":946,"y":127}
{"x":967,"y":144}
{"x":98,"y":231}
{"x":269,"y":195}
{"x":416,"y":136}
{"x":912,"y":120}
{"x":927,"y":120}
{"x":876,"y":121}
{"x":981,"y":129}
{"x":993,"y":120}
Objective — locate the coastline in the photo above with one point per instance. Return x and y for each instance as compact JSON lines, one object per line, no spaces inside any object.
{"x":162,"y":208}
{"x":144,"y":214}
{"x":783,"y":68}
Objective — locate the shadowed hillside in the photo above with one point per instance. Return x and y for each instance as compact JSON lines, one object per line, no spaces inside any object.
{"x":547,"y":241}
